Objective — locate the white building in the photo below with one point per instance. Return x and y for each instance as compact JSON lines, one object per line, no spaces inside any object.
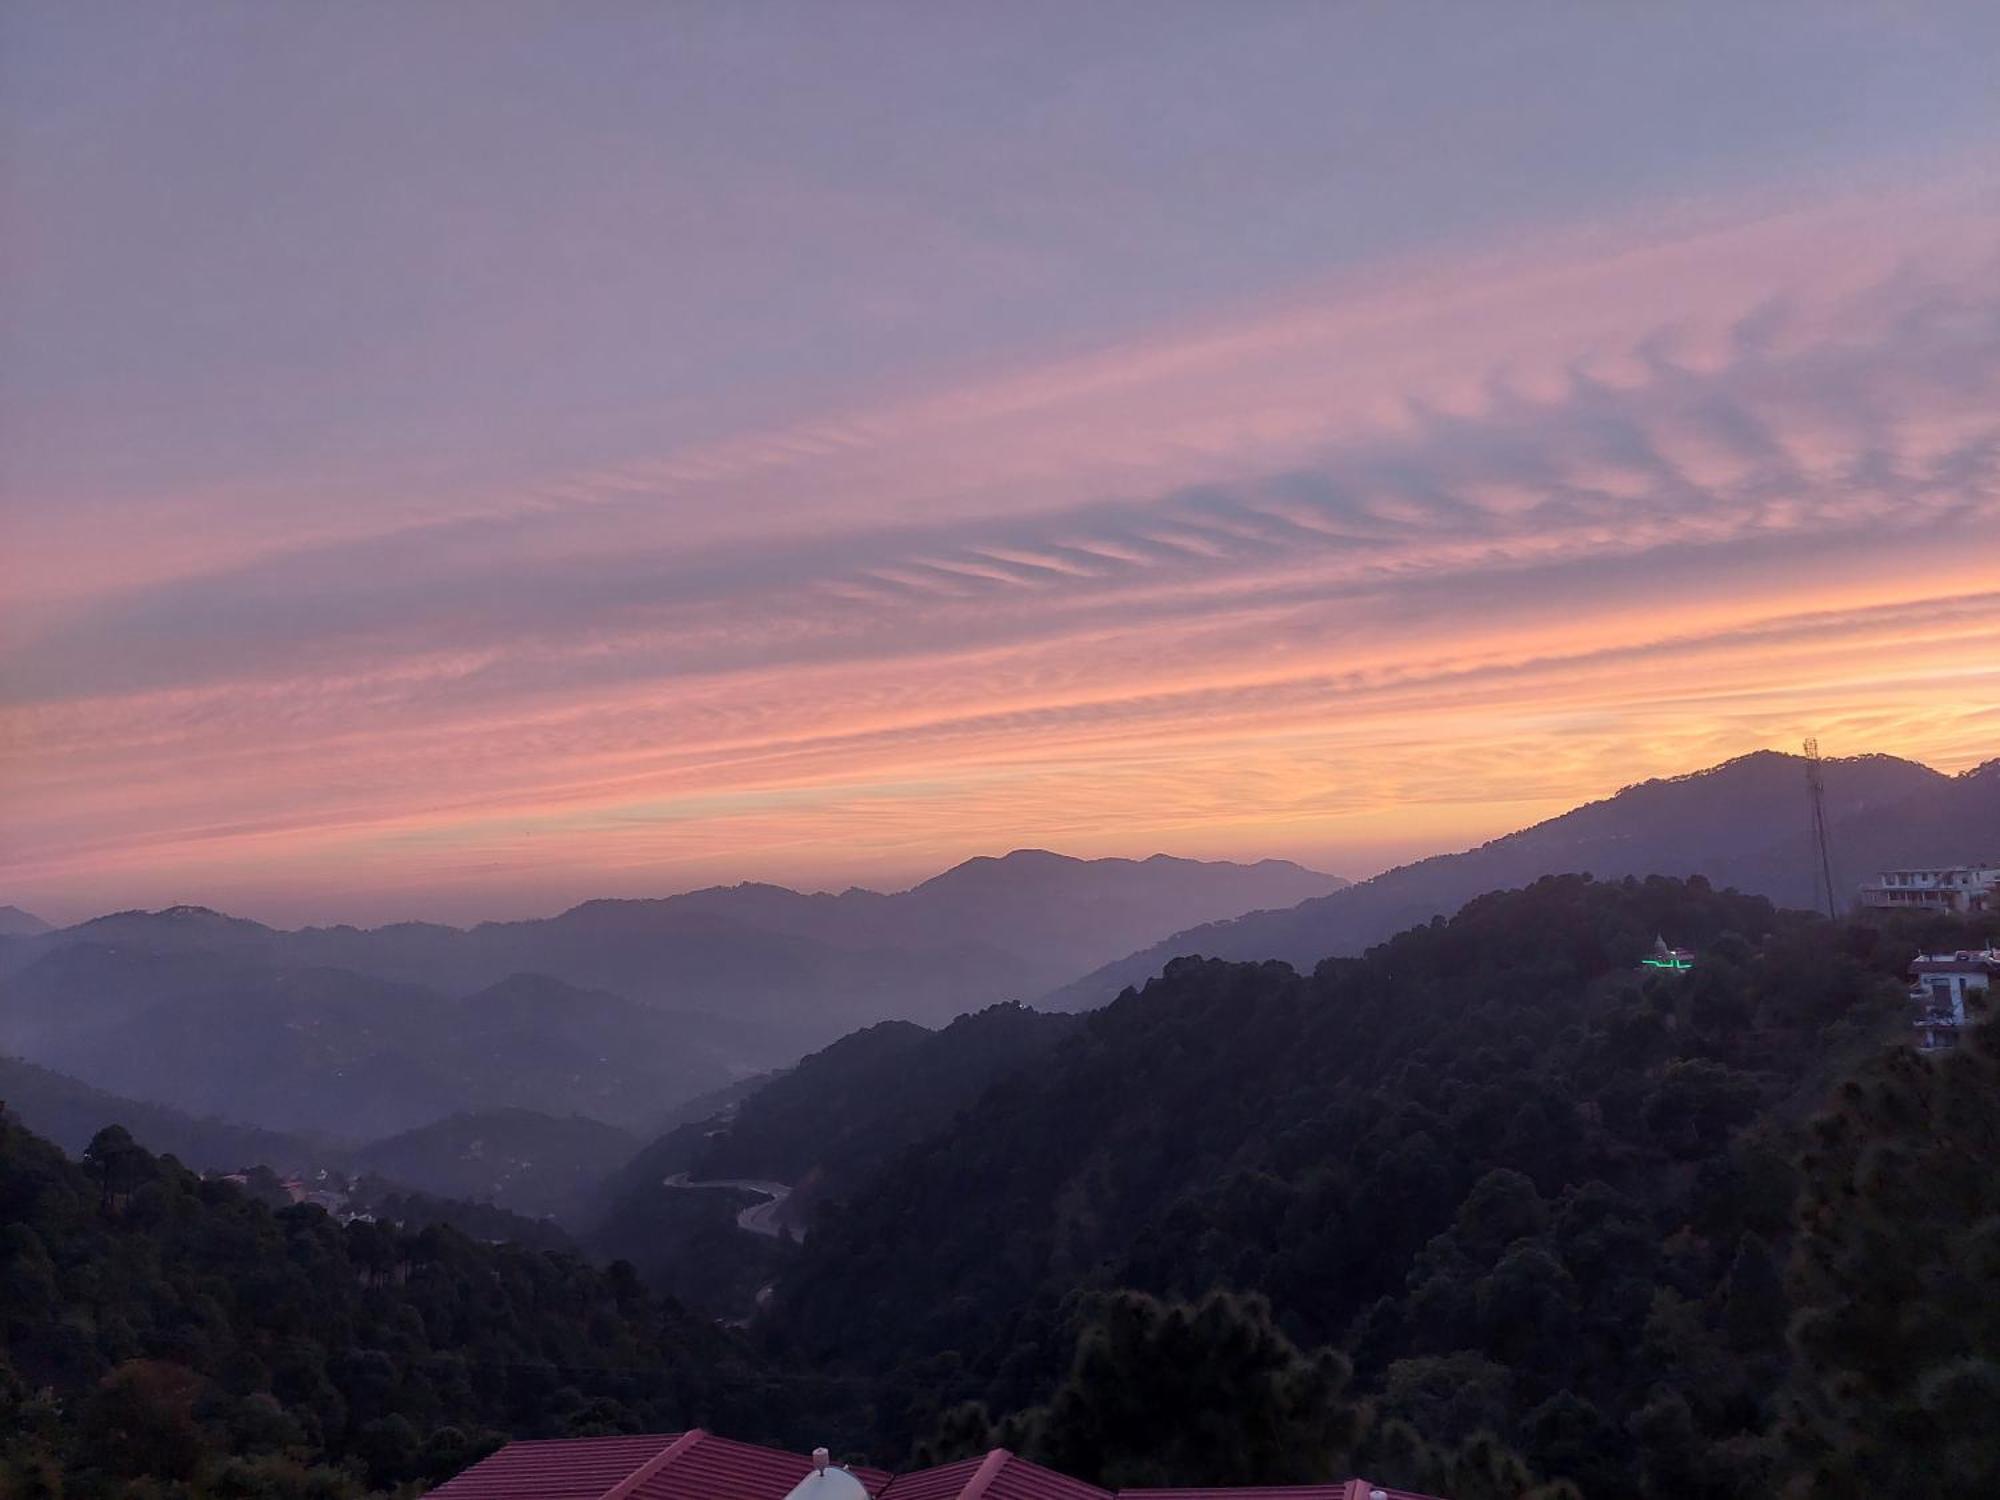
{"x":1958,"y":888}
{"x":1943,"y":985}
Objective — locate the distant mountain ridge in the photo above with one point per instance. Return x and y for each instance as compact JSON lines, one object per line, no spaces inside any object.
{"x":615,"y":1010}
{"x":986,"y":930}
{"x":1743,"y":823}
{"x":348,"y":1055}
{"x":17,"y":923}
{"x":70,"y":1112}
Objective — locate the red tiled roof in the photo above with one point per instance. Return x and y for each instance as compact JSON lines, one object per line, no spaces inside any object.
{"x":556,"y":1469}
{"x":1017,"y":1479}
{"x":1354,"y":1489}
{"x":997,"y":1476}
{"x":696,"y":1465}
{"x":718,"y":1469}
{"x":692,"y":1465}
{"x":945,"y":1482}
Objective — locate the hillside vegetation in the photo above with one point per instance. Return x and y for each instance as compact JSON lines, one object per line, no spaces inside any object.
{"x":1532,"y":1190}
{"x":1488,"y":1212}
{"x":826,"y":1127}
{"x":175,"y":1334}
{"x":517,"y":1159}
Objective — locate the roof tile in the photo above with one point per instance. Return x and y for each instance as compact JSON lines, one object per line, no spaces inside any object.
{"x":999,"y":1475}
{"x":556,"y":1468}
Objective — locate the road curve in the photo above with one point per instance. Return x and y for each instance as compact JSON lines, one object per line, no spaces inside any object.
{"x":758,"y":1218}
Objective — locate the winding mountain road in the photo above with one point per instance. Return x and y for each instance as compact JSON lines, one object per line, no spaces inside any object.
{"x":758,"y":1218}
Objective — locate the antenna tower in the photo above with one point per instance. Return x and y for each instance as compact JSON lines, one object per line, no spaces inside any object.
{"x":1826,"y":887}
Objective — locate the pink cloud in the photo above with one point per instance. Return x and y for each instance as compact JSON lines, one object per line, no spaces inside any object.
{"x":1264,"y":578}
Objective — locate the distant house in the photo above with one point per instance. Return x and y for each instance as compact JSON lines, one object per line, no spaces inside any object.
{"x":697,"y":1465}
{"x":1959,"y":888}
{"x":1942,"y":985}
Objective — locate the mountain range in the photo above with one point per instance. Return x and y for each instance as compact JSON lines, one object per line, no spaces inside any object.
{"x":622,"y":1012}
{"x":1742,"y":824}
{"x":615,"y":1010}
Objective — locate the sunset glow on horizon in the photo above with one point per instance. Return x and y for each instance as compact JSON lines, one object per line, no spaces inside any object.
{"x":526,"y":496}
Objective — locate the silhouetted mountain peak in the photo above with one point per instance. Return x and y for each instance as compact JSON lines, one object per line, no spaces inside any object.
{"x":15,"y":922}
{"x":175,"y":926}
{"x":1015,"y":864}
{"x":1742,"y":822}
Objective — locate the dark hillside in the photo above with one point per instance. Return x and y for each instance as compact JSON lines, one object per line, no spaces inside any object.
{"x":825,"y":1128}
{"x":518,"y":1159}
{"x":155,"y":1326}
{"x":1527,"y":1184}
{"x":844,"y":1111}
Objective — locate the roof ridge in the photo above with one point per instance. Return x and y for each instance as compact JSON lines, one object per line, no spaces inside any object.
{"x":995,"y":1461}
{"x":653,"y":1465}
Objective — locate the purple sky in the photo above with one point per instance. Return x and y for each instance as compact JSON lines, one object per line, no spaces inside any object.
{"x":461,"y":458}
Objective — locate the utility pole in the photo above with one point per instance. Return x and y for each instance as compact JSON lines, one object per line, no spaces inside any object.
{"x":1816,"y":793}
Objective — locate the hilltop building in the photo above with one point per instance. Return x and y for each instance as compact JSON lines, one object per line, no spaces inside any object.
{"x":1942,"y":984}
{"x":697,"y":1465}
{"x":1674,"y":960}
{"x":1958,"y":888}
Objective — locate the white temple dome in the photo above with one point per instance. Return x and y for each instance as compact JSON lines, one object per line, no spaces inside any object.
{"x":828,"y":1484}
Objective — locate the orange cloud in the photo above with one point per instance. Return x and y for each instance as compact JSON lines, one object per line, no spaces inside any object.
{"x":1409,"y":561}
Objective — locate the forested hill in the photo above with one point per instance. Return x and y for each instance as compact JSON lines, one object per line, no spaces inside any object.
{"x":1532,"y":1188}
{"x":517,"y":1159}
{"x":846,"y":1109}
{"x":156,"y":1325}
{"x":825,"y":1128}
{"x":1542,"y":1202}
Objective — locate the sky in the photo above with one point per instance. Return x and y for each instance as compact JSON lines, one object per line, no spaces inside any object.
{"x":460,"y":459}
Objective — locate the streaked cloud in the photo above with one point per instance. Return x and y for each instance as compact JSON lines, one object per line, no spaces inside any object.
{"x":1241,"y":591}
{"x":1391,"y":552}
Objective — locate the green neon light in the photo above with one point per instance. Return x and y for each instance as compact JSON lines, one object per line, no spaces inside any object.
{"x":1679,"y":965}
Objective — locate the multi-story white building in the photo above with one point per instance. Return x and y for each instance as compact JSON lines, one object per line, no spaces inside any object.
{"x":1960,"y":888}
{"x":1942,"y":986}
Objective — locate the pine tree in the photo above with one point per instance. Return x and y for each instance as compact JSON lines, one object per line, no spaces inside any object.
{"x":1212,"y":1393}
{"x":1897,"y":1276}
